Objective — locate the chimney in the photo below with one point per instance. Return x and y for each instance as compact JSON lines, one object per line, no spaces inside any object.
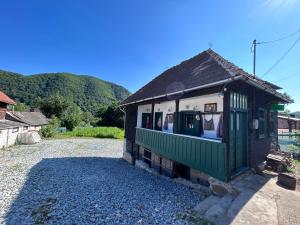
{"x":3,"y":110}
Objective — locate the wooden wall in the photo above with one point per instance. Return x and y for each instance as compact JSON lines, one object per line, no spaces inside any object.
{"x":258,"y":148}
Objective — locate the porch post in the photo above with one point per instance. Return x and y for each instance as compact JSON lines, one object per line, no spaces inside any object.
{"x":152,"y":115}
{"x":177,"y":116}
{"x":226,"y":129}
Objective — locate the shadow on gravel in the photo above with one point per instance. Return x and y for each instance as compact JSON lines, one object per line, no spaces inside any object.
{"x":96,"y":190}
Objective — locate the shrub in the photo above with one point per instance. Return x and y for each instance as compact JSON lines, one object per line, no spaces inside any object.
{"x":50,"y":130}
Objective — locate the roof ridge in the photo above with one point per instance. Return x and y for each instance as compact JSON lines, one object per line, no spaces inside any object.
{"x":226,"y":64}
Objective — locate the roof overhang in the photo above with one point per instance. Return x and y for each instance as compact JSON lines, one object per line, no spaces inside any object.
{"x":248,"y":79}
{"x":228,"y":80}
{"x":252,"y":81}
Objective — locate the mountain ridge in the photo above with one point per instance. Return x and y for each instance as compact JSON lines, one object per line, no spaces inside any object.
{"x":85,"y":90}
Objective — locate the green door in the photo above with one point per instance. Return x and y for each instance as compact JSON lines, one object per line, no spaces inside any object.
{"x":158,"y":121}
{"x":238,"y":140}
{"x":189,"y":124}
{"x":146,"y":120}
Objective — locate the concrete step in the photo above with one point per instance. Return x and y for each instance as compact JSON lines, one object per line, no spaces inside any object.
{"x":219,"y":209}
{"x":239,"y":202}
{"x":207,"y":203}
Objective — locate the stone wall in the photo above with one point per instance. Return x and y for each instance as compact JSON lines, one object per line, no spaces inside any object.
{"x":199,"y":177}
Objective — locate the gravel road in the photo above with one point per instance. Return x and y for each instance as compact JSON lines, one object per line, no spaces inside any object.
{"x":85,"y":181}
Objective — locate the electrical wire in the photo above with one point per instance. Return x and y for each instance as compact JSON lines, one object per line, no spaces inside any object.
{"x":281,"y":58}
{"x":280,"y":39}
{"x":287,"y":77}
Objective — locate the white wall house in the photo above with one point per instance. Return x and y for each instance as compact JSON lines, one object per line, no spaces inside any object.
{"x":9,"y":131}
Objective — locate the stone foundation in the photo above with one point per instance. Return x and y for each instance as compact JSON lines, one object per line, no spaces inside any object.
{"x":128,"y":157}
{"x":199,"y":177}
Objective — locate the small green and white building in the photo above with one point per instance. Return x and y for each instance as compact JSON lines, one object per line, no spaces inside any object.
{"x":204,"y":117}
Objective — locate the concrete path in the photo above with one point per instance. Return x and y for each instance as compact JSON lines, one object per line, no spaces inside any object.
{"x":266,"y":203}
{"x":260,"y":201}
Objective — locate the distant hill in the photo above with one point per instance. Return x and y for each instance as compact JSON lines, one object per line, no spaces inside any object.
{"x":86,"y":91}
{"x":297,"y":114}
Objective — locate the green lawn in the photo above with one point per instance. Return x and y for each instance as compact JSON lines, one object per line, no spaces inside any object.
{"x":95,"y":132}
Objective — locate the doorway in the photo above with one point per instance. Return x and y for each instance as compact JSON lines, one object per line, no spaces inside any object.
{"x":158,"y":121}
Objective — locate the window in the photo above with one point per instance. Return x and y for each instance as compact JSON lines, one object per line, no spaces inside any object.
{"x":272,"y":123}
{"x":168,"y":123}
{"x":25,"y":128}
{"x":147,"y":157}
{"x":189,"y":121}
{"x":261,"y":123}
{"x":146,"y":121}
{"x":158,"y":121}
{"x":238,"y":101}
{"x":16,"y":129}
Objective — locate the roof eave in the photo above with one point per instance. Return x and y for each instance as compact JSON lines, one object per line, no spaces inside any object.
{"x":187,"y":90}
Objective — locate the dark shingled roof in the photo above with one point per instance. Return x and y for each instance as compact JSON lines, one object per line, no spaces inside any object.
{"x":31,"y":118}
{"x":203,"y":69}
{"x":6,"y":124}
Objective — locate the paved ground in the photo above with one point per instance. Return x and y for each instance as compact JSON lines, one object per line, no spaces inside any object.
{"x":260,"y":202}
{"x":265,"y":202}
{"x":84,"y":181}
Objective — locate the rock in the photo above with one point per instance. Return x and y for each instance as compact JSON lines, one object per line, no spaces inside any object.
{"x":203,"y":206}
{"x":260,"y":168}
{"x":287,"y":180}
{"x":218,"y":189}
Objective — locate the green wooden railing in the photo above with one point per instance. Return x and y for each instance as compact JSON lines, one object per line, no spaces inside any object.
{"x":204,"y":155}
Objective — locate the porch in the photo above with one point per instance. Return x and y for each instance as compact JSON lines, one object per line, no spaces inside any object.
{"x":208,"y":156}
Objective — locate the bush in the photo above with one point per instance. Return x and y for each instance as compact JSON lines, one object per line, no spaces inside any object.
{"x":96,"y":132}
{"x":71,"y":117}
{"x":51,"y":129}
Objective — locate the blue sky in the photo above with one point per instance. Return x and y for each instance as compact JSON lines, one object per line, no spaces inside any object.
{"x":130,"y":42}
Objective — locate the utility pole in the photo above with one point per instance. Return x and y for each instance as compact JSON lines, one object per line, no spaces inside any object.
{"x":254,"y":56}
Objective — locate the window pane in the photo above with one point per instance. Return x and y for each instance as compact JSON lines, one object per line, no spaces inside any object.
{"x":189,"y":121}
{"x":234,"y":100}
{"x":231,"y":99}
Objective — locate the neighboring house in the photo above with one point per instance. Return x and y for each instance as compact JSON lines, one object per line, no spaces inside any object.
{"x":288,"y":124}
{"x":204,"y":117}
{"x":9,"y":130}
{"x":36,"y":120}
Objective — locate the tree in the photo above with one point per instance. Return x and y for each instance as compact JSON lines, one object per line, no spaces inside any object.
{"x":89,"y":119}
{"x":50,"y":129}
{"x":54,"y":105}
{"x":20,"y":107}
{"x":112,"y":116}
{"x":71,"y":117}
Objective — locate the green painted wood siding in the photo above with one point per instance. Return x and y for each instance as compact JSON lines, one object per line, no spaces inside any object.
{"x":206,"y":156}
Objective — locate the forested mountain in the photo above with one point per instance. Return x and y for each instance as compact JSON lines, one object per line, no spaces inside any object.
{"x":86,"y":91}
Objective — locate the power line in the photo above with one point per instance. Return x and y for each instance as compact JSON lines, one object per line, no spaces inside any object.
{"x":281,"y":58}
{"x":287,"y":77}
{"x":280,"y":39}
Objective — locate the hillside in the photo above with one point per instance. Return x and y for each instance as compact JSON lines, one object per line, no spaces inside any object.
{"x":86,"y":91}
{"x":297,"y":114}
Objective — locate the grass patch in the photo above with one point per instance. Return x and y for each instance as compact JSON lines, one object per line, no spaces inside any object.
{"x":95,"y":132}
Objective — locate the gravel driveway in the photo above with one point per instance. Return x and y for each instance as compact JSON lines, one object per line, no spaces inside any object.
{"x":84,"y":181}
